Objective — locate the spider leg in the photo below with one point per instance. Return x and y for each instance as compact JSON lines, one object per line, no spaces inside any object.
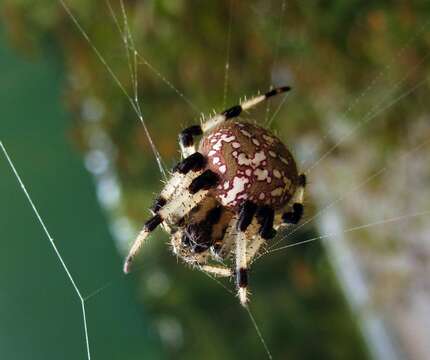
{"x":183,"y":173}
{"x":246,"y":214}
{"x":186,"y":137}
{"x":236,"y":110}
{"x":254,"y":247}
{"x":296,"y":213}
{"x":179,"y":207}
{"x":216,"y":270}
{"x":265,"y":216}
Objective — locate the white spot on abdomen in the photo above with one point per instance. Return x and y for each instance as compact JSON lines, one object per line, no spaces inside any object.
{"x":256,"y":142}
{"x":261,"y":174}
{"x":246,"y":133}
{"x":238,"y":187}
{"x":285,"y":161}
{"x":277,"y":192}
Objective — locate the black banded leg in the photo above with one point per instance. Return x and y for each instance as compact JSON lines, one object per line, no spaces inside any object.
{"x":294,"y":216}
{"x":148,"y":227}
{"x":266,"y":216}
{"x":205,"y":181}
{"x":184,"y":201}
{"x":236,"y":110}
{"x":296,"y":213}
{"x":194,"y":162}
{"x":246,"y":214}
{"x":190,"y":197}
{"x":179,"y":207}
{"x":186,"y":139}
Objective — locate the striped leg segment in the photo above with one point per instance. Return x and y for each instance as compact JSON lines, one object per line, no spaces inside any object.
{"x":149,"y":226}
{"x":253,"y":248}
{"x":236,"y":110}
{"x":296,"y":213}
{"x":186,"y":137}
{"x":221,"y":271}
{"x":246,"y":214}
{"x":186,"y":169}
{"x":204,"y":181}
{"x":241,"y":268}
{"x":177,"y":208}
{"x":266,"y":216}
{"x":293,"y":216}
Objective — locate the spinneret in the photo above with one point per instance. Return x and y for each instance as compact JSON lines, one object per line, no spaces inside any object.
{"x":229,"y":197}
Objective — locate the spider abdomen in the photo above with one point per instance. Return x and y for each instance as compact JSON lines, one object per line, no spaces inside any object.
{"x":252,"y":164}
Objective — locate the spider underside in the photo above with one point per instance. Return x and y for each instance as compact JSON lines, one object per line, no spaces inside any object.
{"x":226,"y":200}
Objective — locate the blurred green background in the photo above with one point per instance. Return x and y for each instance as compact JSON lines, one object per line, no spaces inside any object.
{"x":86,"y":161}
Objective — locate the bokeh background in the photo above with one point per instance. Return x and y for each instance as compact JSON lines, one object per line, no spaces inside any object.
{"x":357,"y":122}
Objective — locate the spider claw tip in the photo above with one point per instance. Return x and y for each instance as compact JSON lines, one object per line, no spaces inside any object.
{"x":243,"y":297}
{"x":127,"y":265}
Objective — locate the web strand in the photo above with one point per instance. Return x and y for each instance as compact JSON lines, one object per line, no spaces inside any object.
{"x":346,"y":195}
{"x":54,"y":246}
{"x":227,"y":56}
{"x":131,"y":48}
{"x":118,"y":83}
{"x":133,"y":57}
{"x":371,"y":115}
{"x":275,"y":57}
{"x":352,"y":229}
{"x":375,"y":80}
{"x":278,"y":109}
{"x":260,"y":336}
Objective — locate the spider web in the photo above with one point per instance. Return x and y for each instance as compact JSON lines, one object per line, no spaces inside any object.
{"x":134,"y":58}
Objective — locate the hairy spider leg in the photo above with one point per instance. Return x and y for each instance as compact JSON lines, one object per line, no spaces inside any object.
{"x":182,"y":175}
{"x":217,"y":270}
{"x":296,"y":213}
{"x":186,"y":137}
{"x":178,"y":207}
{"x":253,"y":247}
{"x":246,"y":215}
{"x":225,"y":244}
{"x":241,"y":267}
{"x":265,"y":216}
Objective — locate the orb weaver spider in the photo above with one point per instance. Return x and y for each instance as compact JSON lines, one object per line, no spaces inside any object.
{"x":229,"y":197}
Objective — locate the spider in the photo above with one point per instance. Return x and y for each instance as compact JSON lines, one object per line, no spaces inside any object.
{"x":228,"y":198}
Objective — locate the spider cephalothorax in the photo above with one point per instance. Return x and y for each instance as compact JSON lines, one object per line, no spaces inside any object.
{"x":229,"y":197}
